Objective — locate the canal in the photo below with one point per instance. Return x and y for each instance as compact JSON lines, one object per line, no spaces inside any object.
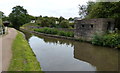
{"x":67,"y":55}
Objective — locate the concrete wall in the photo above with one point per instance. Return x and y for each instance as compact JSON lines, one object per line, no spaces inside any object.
{"x":86,"y":29}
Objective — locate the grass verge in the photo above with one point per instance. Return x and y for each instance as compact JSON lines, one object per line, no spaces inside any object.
{"x":23,"y":58}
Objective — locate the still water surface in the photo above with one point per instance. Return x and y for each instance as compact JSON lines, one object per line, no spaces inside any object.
{"x":66,"y":55}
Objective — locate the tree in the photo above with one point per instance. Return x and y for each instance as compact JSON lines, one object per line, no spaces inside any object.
{"x":82,"y":11}
{"x":85,"y":9}
{"x":71,"y":19}
{"x":1,"y":14}
{"x":61,"y":19}
{"x":64,"y":24}
{"x":102,"y":10}
{"x":45,"y":22}
{"x":19,"y":16}
{"x":52,"y":21}
{"x":5,"y":18}
{"x":106,"y":10}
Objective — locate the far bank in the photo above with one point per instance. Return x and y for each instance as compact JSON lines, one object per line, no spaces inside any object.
{"x":108,"y":40}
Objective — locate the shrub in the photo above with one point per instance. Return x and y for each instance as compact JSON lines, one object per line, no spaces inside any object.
{"x":111,"y":40}
{"x":67,"y":34}
{"x":70,"y":34}
{"x":49,"y":30}
{"x":62,"y":33}
{"x":64,"y":24}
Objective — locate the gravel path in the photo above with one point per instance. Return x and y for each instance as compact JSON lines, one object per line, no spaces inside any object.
{"x":5,"y":48}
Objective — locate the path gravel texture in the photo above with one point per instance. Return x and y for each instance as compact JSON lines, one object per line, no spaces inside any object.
{"x":6,"y":48}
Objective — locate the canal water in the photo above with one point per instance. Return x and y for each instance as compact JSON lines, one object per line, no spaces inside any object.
{"x":56,"y":54}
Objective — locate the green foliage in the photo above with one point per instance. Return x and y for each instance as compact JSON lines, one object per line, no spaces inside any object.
{"x":1,"y":21}
{"x":71,"y":25}
{"x":84,"y":10}
{"x":101,"y":10}
{"x":67,"y":34}
{"x":55,"y":32}
{"x":61,"y":19}
{"x":30,"y":24}
{"x":54,"y":22}
{"x":47,"y":30}
{"x":111,"y":40}
{"x":19,"y":16}
{"x":64,"y":24}
{"x":10,"y":25}
{"x":1,"y":14}
{"x":23,"y":58}
{"x":71,"y":19}
{"x":47,"y":21}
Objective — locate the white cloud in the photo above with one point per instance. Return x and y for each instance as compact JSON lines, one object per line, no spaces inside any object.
{"x":65,"y":8}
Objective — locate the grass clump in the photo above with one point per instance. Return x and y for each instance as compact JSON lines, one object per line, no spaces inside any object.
{"x":54,"y":32}
{"x":23,"y":58}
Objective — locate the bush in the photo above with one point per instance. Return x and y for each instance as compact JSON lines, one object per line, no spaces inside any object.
{"x":70,"y":34}
{"x":111,"y":40}
{"x":64,"y":24}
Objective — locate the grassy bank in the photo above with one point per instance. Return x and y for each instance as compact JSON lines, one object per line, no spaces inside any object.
{"x":23,"y":58}
{"x":55,"y":32}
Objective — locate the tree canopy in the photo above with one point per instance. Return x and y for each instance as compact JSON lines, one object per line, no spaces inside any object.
{"x":19,"y":16}
{"x":101,"y":10}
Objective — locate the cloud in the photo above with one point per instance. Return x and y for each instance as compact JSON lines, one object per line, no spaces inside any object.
{"x":65,"y":8}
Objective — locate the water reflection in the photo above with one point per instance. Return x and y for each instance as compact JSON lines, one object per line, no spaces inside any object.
{"x":105,"y":59}
{"x":65,"y":55}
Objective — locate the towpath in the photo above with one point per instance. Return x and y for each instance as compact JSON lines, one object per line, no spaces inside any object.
{"x":5,"y":48}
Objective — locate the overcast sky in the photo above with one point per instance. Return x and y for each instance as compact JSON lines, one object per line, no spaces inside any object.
{"x":56,"y":8}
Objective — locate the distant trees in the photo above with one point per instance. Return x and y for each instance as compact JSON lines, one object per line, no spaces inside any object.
{"x":84,"y":10}
{"x":71,"y":19}
{"x":64,"y":24}
{"x":5,"y":18}
{"x":19,"y":16}
{"x":46,"y":21}
{"x":61,"y":19}
{"x":101,"y":10}
{"x":1,"y":14}
{"x":60,"y":22}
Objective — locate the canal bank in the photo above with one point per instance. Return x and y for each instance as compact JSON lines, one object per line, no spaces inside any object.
{"x":108,"y":40}
{"x":57,"y":54}
{"x":23,"y":58}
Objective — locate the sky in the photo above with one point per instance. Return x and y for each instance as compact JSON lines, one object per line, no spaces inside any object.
{"x":55,"y":8}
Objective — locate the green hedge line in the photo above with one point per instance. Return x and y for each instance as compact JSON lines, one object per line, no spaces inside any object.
{"x":54,"y":32}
